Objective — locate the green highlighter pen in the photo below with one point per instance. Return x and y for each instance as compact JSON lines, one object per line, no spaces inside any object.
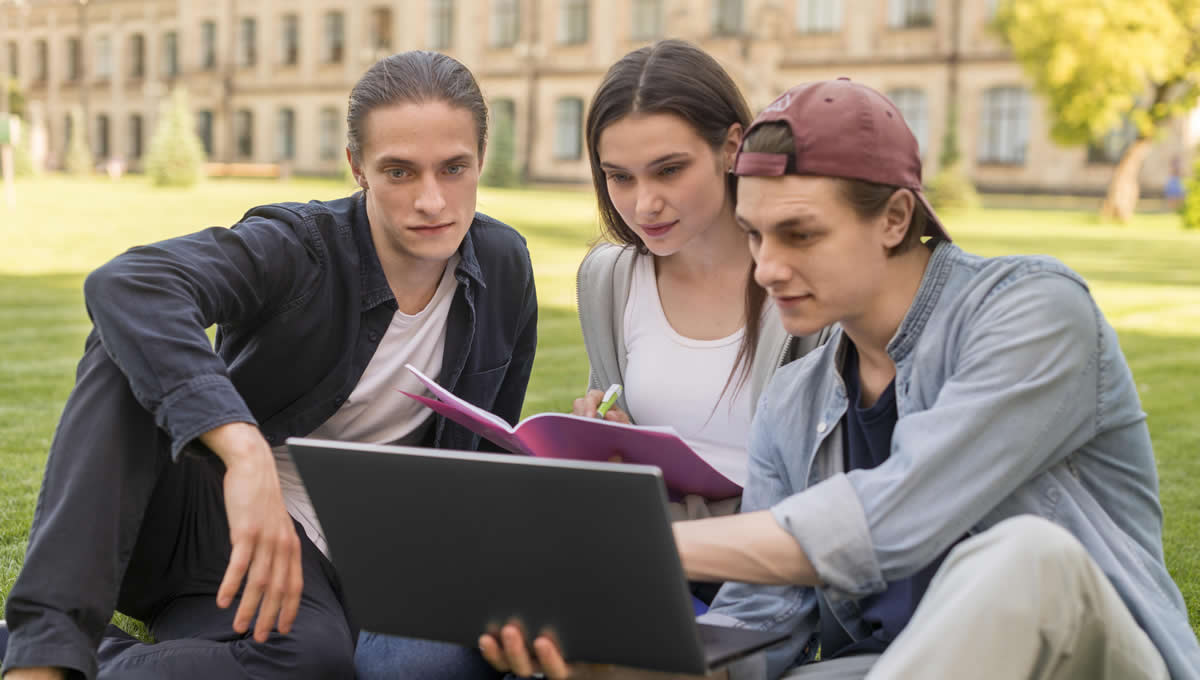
{"x":610,"y":398}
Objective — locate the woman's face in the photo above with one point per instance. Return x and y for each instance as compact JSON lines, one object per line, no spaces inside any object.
{"x":665,"y":181}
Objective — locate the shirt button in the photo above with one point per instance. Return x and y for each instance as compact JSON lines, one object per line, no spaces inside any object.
{"x":373,"y":336}
{"x":820,"y":427}
{"x":339,"y":400}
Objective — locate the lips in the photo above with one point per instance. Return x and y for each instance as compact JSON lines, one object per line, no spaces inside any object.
{"x":431,"y":228}
{"x":790,"y":301}
{"x":658,"y":229}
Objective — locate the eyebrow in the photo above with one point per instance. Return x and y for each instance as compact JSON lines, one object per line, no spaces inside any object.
{"x":786,"y":223}
{"x":661,"y":160}
{"x":397,"y":160}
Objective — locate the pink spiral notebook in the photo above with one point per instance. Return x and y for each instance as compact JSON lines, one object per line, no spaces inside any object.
{"x":563,"y":435}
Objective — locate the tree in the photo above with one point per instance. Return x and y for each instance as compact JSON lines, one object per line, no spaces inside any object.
{"x":79,"y":156}
{"x":176,"y":156}
{"x":1190,"y":210}
{"x":1099,"y":64}
{"x":499,"y":166}
{"x":950,"y":190}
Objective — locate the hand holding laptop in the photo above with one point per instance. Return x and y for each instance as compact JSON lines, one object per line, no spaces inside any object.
{"x":507,"y":652}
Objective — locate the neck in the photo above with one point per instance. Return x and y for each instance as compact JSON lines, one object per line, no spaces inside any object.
{"x":413,"y":280}
{"x":874,"y":328}
{"x":720,"y":247}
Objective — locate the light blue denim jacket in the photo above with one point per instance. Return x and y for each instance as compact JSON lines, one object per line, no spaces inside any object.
{"x":1013,"y":398}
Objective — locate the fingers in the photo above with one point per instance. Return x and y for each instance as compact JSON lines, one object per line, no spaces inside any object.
{"x":282,"y":555}
{"x":586,"y":405}
{"x":515,"y":651}
{"x":553,"y":664}
{"x":617,"y":415}
{"x":256,"y":583}
{"x":239,"y":561}
{"x":295,"y":587}
{"x":489,"y":647}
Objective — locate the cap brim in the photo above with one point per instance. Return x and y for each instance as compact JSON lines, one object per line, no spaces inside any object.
{"x":933,"y":225}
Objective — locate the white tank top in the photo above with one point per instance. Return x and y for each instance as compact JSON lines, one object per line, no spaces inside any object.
{"x":674,"y":380}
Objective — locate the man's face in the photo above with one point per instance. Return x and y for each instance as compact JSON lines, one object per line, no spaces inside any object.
{"x":420,"y":166}
{"x":819,"y":261}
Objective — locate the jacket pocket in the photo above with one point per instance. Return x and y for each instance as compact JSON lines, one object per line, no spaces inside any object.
{"x":481,"y":387}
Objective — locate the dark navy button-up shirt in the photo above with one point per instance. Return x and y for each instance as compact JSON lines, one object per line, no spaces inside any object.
{"x":300,"y":302}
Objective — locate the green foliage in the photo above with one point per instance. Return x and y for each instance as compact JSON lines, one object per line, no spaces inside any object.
{"x":500,"y":166}
{"x":951,"y":154}
{"x":951,"y":191}
{"x":1190,"y":210}
{"x":16,"y":98}
{"x":176,"y":157}
{"x":79,"y":156}
{"x":23,"y":153}
{"x":1099,"y":63}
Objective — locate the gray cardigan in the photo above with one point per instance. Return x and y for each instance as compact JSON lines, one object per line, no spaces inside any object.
{"x":602,"y":290}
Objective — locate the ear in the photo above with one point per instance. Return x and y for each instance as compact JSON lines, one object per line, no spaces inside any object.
{"x":897,"y":216}
{"x":733,"y":139}
{"x":356,"y":170}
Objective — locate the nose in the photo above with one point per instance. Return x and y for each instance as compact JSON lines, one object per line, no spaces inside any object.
{"x":769,"y":269}
{"x":649,"y":202}
{"x":430,"y":201}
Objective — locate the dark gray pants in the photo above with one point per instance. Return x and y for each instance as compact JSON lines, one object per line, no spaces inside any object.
{"x":119,"y":525}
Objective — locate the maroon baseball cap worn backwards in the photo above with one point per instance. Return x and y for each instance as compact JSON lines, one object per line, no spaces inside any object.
{"x":842,"y":129}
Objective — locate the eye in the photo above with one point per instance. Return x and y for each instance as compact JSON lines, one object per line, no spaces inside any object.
{"x":397,"y":173}
{"x":670,"y":170}
{"x":456,"y":169}
{"x":618,"y":177}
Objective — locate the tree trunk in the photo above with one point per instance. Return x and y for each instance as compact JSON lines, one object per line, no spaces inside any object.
{"x":1123,"y":189}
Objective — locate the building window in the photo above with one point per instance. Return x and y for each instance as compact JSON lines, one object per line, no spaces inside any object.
{"x":568,"y":132}
{"x":204,"y":130}
{"x":647,"y":20}
{"x":137,"y":56}
{"x":911,"y":103}
{"x":171,"y":55}
{"x":1109,"y":149}
{"x":104,"y":57}
{"x":335,"y":37}
{"x":381,"y":29}
{"x":289,"y":40}
{"x":727,"y":17}
{"x":74,"y":63}
{"x":910,"y":13}
{"x":247,"y":54}
{"x":135,"y":136}
{"x":41,"y":61}
{"x":208,"y":45}
{"x":329,"y":134}
{"x":572,"y":21}
{"x":818,"y":16}
{"x":102,"y":148}
{"x":506,"y":22}
{"x":285,"y":139}
{"x":441,"y":24}
{"x":243,"y":133}
{"x":14,"y":68}
{"x":1004,"y":126}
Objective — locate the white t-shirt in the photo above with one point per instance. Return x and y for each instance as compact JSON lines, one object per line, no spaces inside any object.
{"x":674,"y":380}
{"x":376,"y":412}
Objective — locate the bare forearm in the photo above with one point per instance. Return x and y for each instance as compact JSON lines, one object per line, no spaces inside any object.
{"x":750,"y":548}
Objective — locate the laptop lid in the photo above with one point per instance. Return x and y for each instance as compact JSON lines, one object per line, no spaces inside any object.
{"x":444,"y":545}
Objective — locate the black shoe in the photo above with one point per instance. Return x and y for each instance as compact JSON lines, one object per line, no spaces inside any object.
{"x":3,"y":638}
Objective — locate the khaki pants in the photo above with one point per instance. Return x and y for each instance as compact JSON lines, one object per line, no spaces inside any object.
{"x":1022,"y":600}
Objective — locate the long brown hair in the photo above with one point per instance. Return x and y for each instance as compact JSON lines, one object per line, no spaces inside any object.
{"x":675,"y":77}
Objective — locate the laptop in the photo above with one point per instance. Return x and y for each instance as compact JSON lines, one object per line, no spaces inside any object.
{"x":445,"y":545}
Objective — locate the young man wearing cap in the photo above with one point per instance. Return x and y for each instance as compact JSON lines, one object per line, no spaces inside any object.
{"x":961,"y":482}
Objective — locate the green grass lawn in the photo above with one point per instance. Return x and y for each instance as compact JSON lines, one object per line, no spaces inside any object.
{"x":1144,"y":275}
